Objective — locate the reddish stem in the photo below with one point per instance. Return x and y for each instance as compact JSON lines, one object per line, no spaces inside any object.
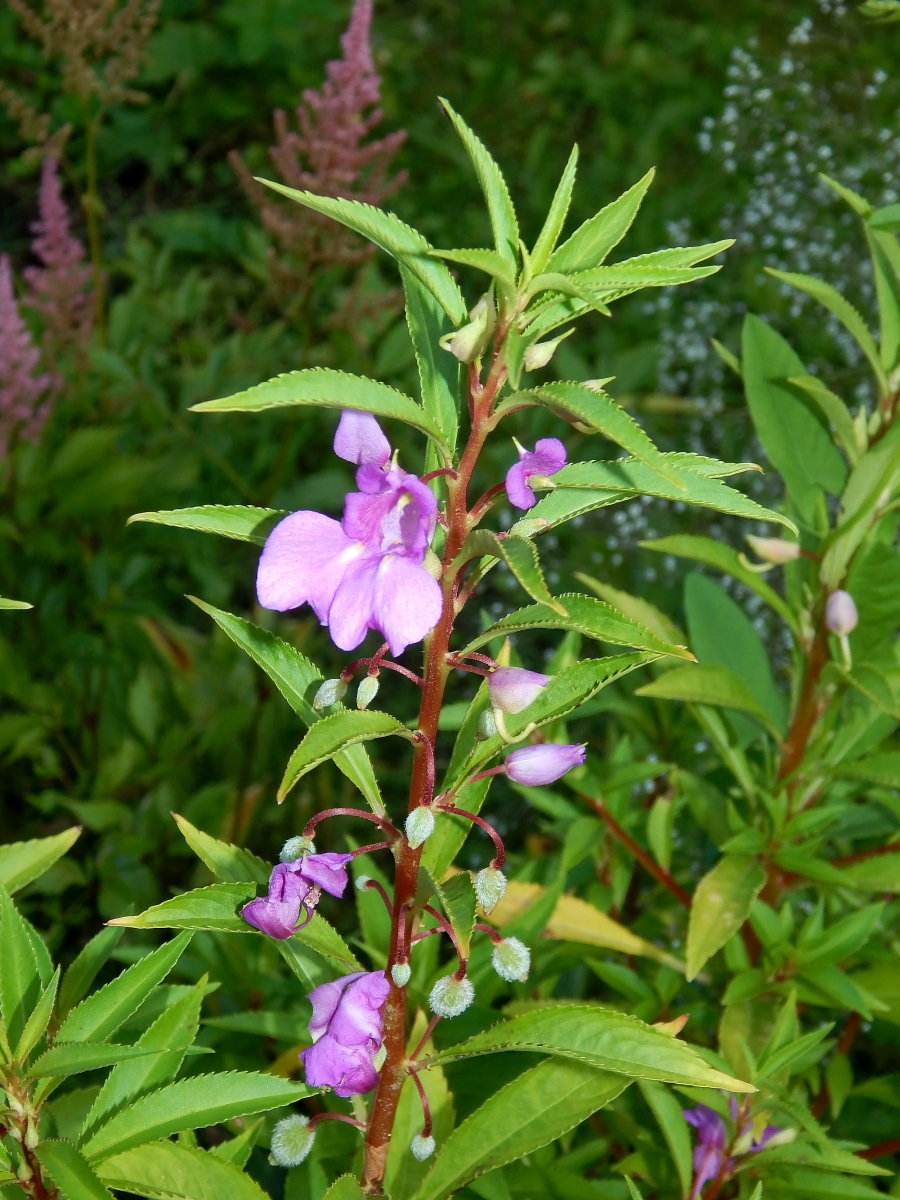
{"x":392,"y":666}
{"x":482,"y":824}
{"x":440,"y":471}
{"x":377,"y":887}
{"x":383,"y":822}
{"x":372,"y":846}
{"x":881,"y":1150}
{"x":426,"y":1110}
{"x":890,"y":848}
{"x":330,"y":1116}
{"x":428,"y":746}
{"x":450,"y":932}
{"x":492,"y":933}
{"x":483,"y":503}
{"x":423,"y":1040}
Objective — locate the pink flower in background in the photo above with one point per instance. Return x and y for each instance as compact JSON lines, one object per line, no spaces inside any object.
{"x":58,"y":289}
{"x":25,"y":397}
{"x":547,"y":457}
{"x":710,"y":1148}
{"x":347,"y":1027}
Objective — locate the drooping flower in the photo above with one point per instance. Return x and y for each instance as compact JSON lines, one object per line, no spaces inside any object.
{"x":24,"y":402}
{"x":535,"y":766}
{"x":364,"y":572}
{"x":347,"y":1028}
{"x":710,"y":1148}
{"x":294,"y":886}
{"x":548,"y":457}
{"x":841,"y":614}
{"x":512,"y":689}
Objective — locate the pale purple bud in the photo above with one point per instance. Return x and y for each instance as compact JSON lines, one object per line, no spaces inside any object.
{"x":841,"y":615}
{"x":512,"y":960}
{"x":534,"y":766}
{"x":360,"y":439}
{"x":777,"y":551}
{"x":540,"y":354}
{"x":292,"y":1140}
{"x":451,"y":996}
{"x":513,"y":688}
{"x":419,"y":826}
{"x":469,"y":342}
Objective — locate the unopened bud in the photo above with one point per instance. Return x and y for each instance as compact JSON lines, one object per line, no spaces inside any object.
{"x":512,"y":689}
{"x":330,"y":692}
{"x":540,"y":353}
{"x":367,"y":691}
{"x":529,"y":526}
{"x":422,"y":1147}
{"x":536,"y":766}
{"x":419,"y":826}
{"x":777,"y":551}
{"x":400,"y":973}
{"x":292,"y":1141}
{"x":490,"y":886}
{"x":487,"y":726}
{"x":469,"y":342}
{"x":783,"y":1137}
{"x":362,"y":882}
{"x":295,"y":847}
{"x":841,"y":615}
{"x":512,"y":960}
{"x":451,"y":996}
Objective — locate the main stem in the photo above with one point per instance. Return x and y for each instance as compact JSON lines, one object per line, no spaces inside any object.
{"x":406,"y":873}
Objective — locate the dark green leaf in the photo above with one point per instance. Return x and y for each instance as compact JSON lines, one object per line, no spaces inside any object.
{"x":237,"y":521}
{"x":214,"y":908}
{"x":439,"y":371}
{"x":166,"y":1171}
{"x":333,"y":734}
{"x":458,"y":901}
{"x":38,"y":1020}
{"x":714,"y":685}
{"x":70,"y":1171}
{"x":81,"y":974}
{"x":229,"y":864}
{"x":20,"y":976}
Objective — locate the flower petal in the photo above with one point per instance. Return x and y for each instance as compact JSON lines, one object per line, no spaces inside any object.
{"x":275,"y":918}
{"x":350,"y":615}
{"x":325,"y":999}
{"x":517,"y":489}
{"x":407,"y":602}
{"x":303,"y":561}
{"x":348,"y":1069}
{"x":359,"y":439}
{"x":358,"y":1018}
{"x":549,"y":457}
{"x":327,"y":871}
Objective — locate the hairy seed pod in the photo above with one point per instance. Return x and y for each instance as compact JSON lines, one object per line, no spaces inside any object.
{"x":419,"y":826}
{"x":512,"y":960}
{"x":292,"y":1141}
{"x":450,"y":996}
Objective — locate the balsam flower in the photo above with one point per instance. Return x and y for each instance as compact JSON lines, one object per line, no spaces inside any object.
{"x":548,"y":457}
{"x":535,"y":766}
{"x":709,"y":1152}
{"x":364,"y":572}
{"x":294,"y":886}
{"x":512,"y":689}
{"x":347,"y":1028}
{"x":841,"y":613}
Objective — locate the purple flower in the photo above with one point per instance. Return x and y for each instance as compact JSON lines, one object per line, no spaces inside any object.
{"x":710,"y":1147}
{"x":841,"y":615}
{"x":548,"y":457}
{"x":512,"y":689}
{"x":24,"y":406}
{"x":347,"y":1027}
{"x":366,"y":571}
{"x":764,"y":1138}
{"x":293,"y":886}
{"x":537,"y":765}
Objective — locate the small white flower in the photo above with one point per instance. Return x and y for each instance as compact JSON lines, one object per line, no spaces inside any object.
{"x":422,"y":1147}
{"x":291,"y":1141}
{"x":512,"y":960}
{"x":450,"y":997}
{"x":419,"y":826}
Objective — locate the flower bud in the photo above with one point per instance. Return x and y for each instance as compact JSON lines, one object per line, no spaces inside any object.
{"x":490,"y":885}
{"x":400,"y":973}
{"x":422,"y":1147}
{"x":513,"y":688}
{"x":295,"y":847}
{"x":841,"y":616}
{"x":542,"y":764}
{"x":419,"y":826}
{"x":783,"y":1137}
{"x":511,"y":960}
{"x":469,"y":342}
{"x":777,"y":551}
{"x":362,"y":882}
{"x":487,"y":726}
{"x":292,"y":1141}
{"x":540,"y":353}
{"x":451,"y":996}
{"x":367,"y":691}
{"x":330,"y":692}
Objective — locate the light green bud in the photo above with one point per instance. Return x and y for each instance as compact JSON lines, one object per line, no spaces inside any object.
{"x":490,"y":886}
{"x":295,"y":847}
{"x":361,"y":882}
{"x":419,"y":826}
{"x":540,"y":354}
{"x":367,"y":691}
{"x":400,"y":973}
{"x":330,"y":692}
{"x":450,"y":996}
{"x":469,"y":342}
{"x":291,"y":1141}
{"x":422,"y":1147}
{"x":487,"y":725}
{"x":511,"y":960}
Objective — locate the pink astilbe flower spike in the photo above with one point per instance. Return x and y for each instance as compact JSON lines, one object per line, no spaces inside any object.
{"x":59,"y":288}
{"x":25,"y":401}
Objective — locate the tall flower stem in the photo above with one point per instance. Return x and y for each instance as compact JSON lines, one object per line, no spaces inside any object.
{"x":395,"y":1070}
{"x":92,"y":208}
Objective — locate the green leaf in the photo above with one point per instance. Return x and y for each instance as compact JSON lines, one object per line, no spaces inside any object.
{"x":878,"y":874}
{"x":322,"y":387}
{"x":794,"y":435}
{"x":605,"y":1039}
{"x":842,"y":939}
{"x":591,"y":242}
{"x":20,"y":977}
{"x":667,"y":1110}
{"x":229,"y":864}
{"x":834,"y":410}
{"x":5,"y":603}
{"x":23,"y":862}
{"x":585,"y":615}
{"x":771,"y":1063}
{"x":285,"y":1027}
{"x":83,"y":970}
{"x":71,"y":1058}
{"x":331,"y":735}
{"x":536,"y":1108}
{"x":164,"y":1044}
{"x":237,"y":1150}
{"x":293,"y":674}
{"x":38,"y":1020}
{"x":103,"y":1012}
{"x":488,"y":261}
{"x":345,"y":1188}
{"x":70,"y":1171}
{"x":191,"y":1104}
{"x":556,"y":217}
{"x":504,"y":225}
{"x":519,"y":554}
{"x":717,"y":554}
{"x":404,"y":1173}
{"x":633,"y":1190}
{"x":848,"y":316}
{"x":801,"y":1183}
{"x":638,"y":610}
{"x":389,"y":233}
{"x":720,"y":906}
{"x":709,"y":684}
{"x":237,"y":521}
{"x":458,"y":901}
{"x":593,"y":408}
{"x":166,"y":1171}
{"x":439,"y":372}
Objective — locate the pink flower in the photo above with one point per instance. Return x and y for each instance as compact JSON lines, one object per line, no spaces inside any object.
{"x":293,"y":886}
{"x":347,"y":1027}
{"x":535,"y":766}
{"x":512,"y":689}
{"x":841,"y":615}
{"x":366,"y":571}
{"x":548,"y":457}
{"x":709,"y":1151}
{"x":24,"y":404}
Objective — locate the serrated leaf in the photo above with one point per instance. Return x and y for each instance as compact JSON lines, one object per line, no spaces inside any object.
{"x":23,"y":862}
{"x":191,"y":1104}
{"x":71,"y":1058}
{"x":404,"y":1173}
{"x":488,"y":261}
{"x":229,"y":864}
{"x":20,"y":976}
{"x":536,"y":1108}
{"x":720,"y":906}
{"x":237,"y":1150}
{"x":605,"y":1039}
{"x":637,"y":609}
{"x":504,"y":225}
{"x":458,"y":901}
{"x":103,"y":1012}
{"x":237,"y":521}
{"x":20,"y":604}
{"x":668,"y":1113}
{"x":519,"y":554}
{"x":556,"y":217}
{"x":777,"y":1060}
{"x":591,"y":242}
{"x":841,"y":939}
{"x":83,"y":970}
{"x":709,"y":684}
{"x":585,"y":615}
{"x":390,"y":234}
{"x":439,"y":372}
{"x":70,"y":1171}
{"x":166,"y":1171}
{"x":834,"y":410}
{"x":877,"y":874}
{"x":345,"y":1188}
{"x":333,"y":734}
{"x":293,"y":674}
{"x":323,"y":387}
{"x":38,"y":1020}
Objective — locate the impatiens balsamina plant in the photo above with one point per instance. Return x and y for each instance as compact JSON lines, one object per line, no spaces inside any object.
{"x":412,"y":551}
